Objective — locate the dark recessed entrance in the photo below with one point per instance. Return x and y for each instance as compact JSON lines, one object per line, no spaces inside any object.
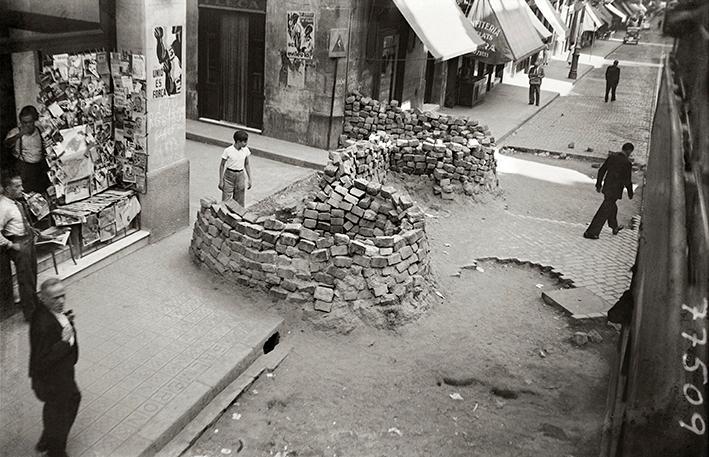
{"x":231,"y":63}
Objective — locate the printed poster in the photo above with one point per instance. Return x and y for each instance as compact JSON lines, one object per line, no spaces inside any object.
{"x":138,"y":66}
{"x":300,"y":42}
{"x":90,"y":231}
{"x":77,"y":190}
{"x":166,"y":75}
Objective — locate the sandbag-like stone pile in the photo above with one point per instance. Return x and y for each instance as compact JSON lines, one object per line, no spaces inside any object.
{"x":457,"y":153}
{"x":358,"y":248}
{"x":356,"y":205}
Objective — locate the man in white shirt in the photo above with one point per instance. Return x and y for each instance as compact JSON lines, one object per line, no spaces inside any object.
{"x":54,"y":350}
{"x":16,"y":245}
{"x":28,"y":149}
{"x":234,"y":170}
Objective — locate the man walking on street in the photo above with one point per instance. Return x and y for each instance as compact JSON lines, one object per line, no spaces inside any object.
{"x":535,"y":74}
{"x":617,"y":170}
{"x":612,"y":78}
{"x":16,"y":245}
{"x":54,"y":350}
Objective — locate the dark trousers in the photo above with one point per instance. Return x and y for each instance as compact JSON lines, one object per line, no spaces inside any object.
{"x":608,"y":211}
{"x":610,"y":87}
{"x":25,"y":261}
{"x":60,"y":408}
{"x":534,"y":94}
{"x":34,"y":176}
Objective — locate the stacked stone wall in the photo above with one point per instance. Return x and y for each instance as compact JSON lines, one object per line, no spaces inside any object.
{"x":358,"y":247}
{"x":457,"y":153}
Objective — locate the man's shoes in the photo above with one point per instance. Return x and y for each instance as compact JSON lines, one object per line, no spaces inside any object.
{"x":537,"y":104}
{"x":618,"y":229}
{"x":590,"y":237}
{"x":531,"y":103}
{"x":606,"y":100}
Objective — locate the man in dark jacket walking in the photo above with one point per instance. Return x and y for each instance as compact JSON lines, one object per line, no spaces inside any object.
{"x":617,"y":170}
{"x":54,"y":350}
{"x":612,"y":78}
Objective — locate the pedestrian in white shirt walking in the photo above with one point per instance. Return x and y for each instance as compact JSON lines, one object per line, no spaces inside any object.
{"x":234,"y":170}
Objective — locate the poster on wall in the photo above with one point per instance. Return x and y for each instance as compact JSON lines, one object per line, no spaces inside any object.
{"x":300,"y":35}
{"x":166,"y":75}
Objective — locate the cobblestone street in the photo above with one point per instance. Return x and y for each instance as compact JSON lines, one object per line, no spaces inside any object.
{"x":583,"y":118}
{"x":547,"y":203}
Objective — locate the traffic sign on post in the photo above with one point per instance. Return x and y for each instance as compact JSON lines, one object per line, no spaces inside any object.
{"x":337,"y":45}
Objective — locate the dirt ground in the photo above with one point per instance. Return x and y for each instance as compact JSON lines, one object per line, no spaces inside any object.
{"x":528,"y":390}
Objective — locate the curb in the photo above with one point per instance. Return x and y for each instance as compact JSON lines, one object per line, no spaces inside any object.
{"x":257,"y":152}
{"x":557,"y":154}
{"x":214,"y":410}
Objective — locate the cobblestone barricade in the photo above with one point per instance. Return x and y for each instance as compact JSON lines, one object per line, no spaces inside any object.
{"x":357,"y":247}
{"x":457,"y":153}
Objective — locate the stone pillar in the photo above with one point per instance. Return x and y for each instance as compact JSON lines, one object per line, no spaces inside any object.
{"x":166,"y":203}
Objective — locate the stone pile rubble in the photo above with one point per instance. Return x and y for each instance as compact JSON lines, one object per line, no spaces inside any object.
{"x":357,"y":248}
{"x":457,"y":153}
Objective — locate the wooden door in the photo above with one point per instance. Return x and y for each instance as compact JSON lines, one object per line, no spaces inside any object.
{"x":255,"y":76}
{"x":232,"y":53}
{"x":210,"y":80}
{"x":389,"y":56}
{"x":235,"y":70}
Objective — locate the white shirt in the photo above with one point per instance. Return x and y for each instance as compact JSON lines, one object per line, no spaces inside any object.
{"x":235,"y":158}
{"x":64,"y":322}
{"x":32,"y":147}
{"x":10,"y":218}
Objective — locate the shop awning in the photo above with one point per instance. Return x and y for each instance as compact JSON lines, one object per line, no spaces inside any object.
{"x":441,"y":26}
{"x":603,"y":14}
{"x":590,"y":18}
{"x":612,"y":8}
{"x":552,"y":17}
{"x":507,"y":30}
{"x":543,"y":32}
{"x":54,"y":33}
{"x":630,"y":8}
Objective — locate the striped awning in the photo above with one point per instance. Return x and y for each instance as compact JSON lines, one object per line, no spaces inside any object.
{"x":441,"y":26}
{"x":591,"y":22}
{"x":612,"y":8}
{"x":552,"y":17}
{"x":544,"y":33}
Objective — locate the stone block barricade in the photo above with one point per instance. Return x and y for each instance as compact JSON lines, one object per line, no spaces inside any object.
{"x":355,"y":248}
{"x":457,"y":153}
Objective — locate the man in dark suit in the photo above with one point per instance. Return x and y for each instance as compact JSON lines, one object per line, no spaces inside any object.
{"x":54,"y":350}
{"x":617,"y":170}
{"x":612,"y":78}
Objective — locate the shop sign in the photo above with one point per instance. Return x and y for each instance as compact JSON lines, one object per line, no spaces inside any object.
{"x":495,"y":50}
{"x":257,"y":6}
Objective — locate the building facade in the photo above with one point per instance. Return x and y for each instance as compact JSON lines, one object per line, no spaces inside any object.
{"x":268,"y":65}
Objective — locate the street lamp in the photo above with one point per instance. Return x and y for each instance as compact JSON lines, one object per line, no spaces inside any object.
{"x":573,"y":72}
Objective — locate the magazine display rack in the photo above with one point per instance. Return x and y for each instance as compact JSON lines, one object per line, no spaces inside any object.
{"x":92,"y":117}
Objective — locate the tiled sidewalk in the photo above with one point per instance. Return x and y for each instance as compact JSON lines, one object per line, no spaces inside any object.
{"x":157,"y":339}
